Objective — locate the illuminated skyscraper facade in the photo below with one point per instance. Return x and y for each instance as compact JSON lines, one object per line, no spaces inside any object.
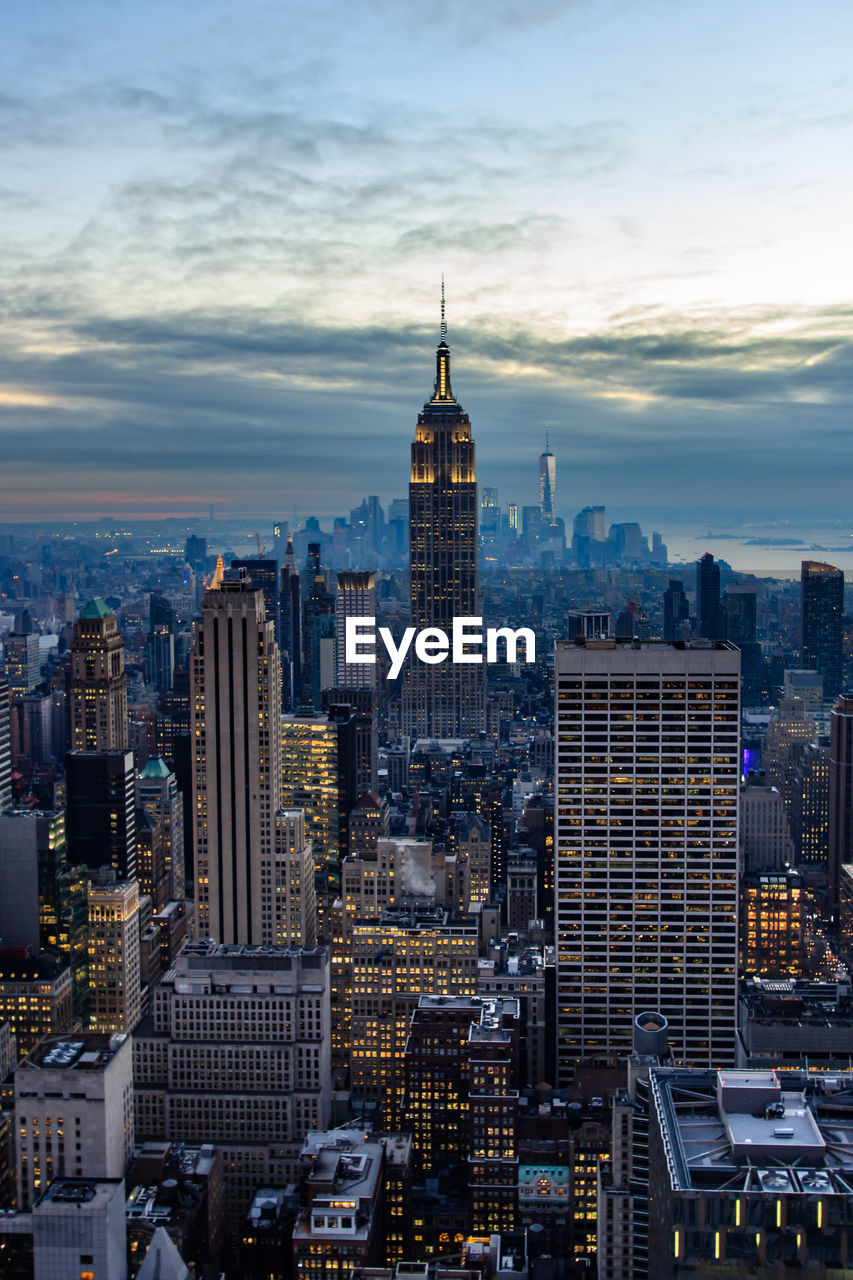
{"x":646,"y":847}
{"x":443,"y":699}
{"x":98,"y":682}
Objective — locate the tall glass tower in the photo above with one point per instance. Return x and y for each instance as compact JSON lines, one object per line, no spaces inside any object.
{"x":822,"y":599}
{"x":547,"y":484}
{"x":444,"y":699}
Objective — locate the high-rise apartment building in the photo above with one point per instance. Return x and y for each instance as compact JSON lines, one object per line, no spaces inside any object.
{"x":444,"y":699}
{"x":114,"y":956}
{"x":822,"y":604}
{"x":646,"y":847}
{"x":74,"y":1103}
{"x":236,"y":681}
{"x":98,"y":681}
{"x":354,"y":598}
{"x":237,"y":1049}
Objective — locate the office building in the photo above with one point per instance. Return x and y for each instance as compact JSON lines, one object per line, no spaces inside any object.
{"x":238,"y":1047}
{"x":646,"y":847}
{"x":266,"y":1241}
{"x":547,"y":486}
{"x":746,"y":1173}
{"x":22,"y":662}
{"x":309,"y":779}
{"x":676,"y":611}
{"x":354,"y":598}
{"x":296,"y":900}
{"x":771,"y":927}
{"x":98,"y":681}
{"x":808,"y":800}
{"x":822,"y":605}
{"x":175,"y":1188}
{"x":236,"y":681}
{"x":340,"y":1228}
{"x":795,"y":1023}
{"x":5,"y":747}
{"x":840,"y":845}
{"x":115,"y":980}
{"x":708,"y":607}
{"x":74,"y":1103}
{"x":444,"y":699}
{"x":195,"y":552}
{"x":290,"y":626}
{"x":806,"y":687}
{"x":101,"y":810}
{"x":407,"y":953}
{"x":36,"y":996}
{"x":157,"y":793}
{"x":43,"y":903}
{"x":788,"y":725}
{"x":78,"y":1230}
{"x":319,"y":643}
{"x":765,"y":836}
{"x":263,"y":575}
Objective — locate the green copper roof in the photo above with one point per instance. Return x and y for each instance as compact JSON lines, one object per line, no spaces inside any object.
{"x":155,"y":768}
{"x":97,"y":608}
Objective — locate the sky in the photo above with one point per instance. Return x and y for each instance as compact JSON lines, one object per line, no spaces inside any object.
{"x":225,"y":226}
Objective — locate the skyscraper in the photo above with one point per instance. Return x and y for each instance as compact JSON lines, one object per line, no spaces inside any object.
{"x":355,"y":598}
{"x":5,"y":748}
{"x":676,"y":610}
{"x":646,"y":847}
{"x":840,"y":795}
{"x":98,"y":682}
{"x":711,"y":625}
{"x":822,"y":601}
{"x":444,"y":699}
{"x":236,"y":703}
{"x":21,"y":658}
{"x":101,"y":813}
{"x":290,"y":628}
{"x":547,"y":484}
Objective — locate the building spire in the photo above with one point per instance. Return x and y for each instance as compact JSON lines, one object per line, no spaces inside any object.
{"x":547,"y":438}
{"x":442,"y":391}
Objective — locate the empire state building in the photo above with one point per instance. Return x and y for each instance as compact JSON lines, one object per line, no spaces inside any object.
{"x":444,"y":699}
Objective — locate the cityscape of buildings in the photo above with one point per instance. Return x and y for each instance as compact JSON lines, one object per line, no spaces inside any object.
{"x":530,"y":969}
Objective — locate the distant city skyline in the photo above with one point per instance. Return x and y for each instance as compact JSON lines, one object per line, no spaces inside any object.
{"x":225,"y":232}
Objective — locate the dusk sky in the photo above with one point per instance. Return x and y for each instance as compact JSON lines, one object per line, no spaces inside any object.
{"x":225,"y":227}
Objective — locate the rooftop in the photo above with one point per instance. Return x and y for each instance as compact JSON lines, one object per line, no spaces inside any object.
{"x":754,"y":1131}
{"x":85,"y":1051}
{"x":97,"y":608}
